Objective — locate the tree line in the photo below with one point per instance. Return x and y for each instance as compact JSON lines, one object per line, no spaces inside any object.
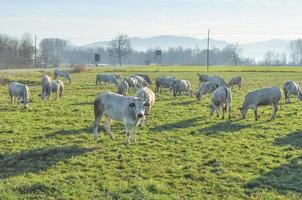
{"x":20,"y":53}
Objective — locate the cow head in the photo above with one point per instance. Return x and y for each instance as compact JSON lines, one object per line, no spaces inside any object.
{"x":139,"y":107}
{"x":243,"y":112}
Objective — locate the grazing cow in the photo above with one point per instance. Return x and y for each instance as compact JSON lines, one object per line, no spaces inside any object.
{"x":149,"y":97}
{"x":132,"y":82}
{"x":55,"y":86}
{"x":205,"y":88}
{"x":292,"y":88}
{"x":207,"y":78}
{"x":235,"y":81}
{"x":17,"y":92}
{"x":163,"y":82}
{"x":44,"y":79}
{"x":122,"y":87}
{"x":64,"y":74}
{"x":140,"y":81}
{"x":261,"y":97}
{"x":221,"y":97}
{"x":129,"y":110}
{"x":106,"y":78}
{"x":146,"y":78}
{"x":179,"y":86}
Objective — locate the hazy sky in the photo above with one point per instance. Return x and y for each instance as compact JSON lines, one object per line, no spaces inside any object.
{"x":85,"y":21}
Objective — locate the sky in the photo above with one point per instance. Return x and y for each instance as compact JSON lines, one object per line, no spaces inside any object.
{"x":87,"y":21}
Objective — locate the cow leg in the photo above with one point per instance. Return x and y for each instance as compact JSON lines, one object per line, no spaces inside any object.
{"x":223,"y":107}
{"x":217,"y":111}
{"x":134,"y":133}
{"x":229,"y":109}
{"x":96,"y":124}
{"x":275,"y":109}
{"x":256,"y":113}
{"x":107,"y":127}
{"x":127,"y":134}
{"x":12,"y":100}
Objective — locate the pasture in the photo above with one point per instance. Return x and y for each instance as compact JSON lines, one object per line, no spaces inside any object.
{"x":48,"y":151}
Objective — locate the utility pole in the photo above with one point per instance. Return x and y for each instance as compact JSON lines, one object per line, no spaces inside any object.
{"x":35,"y":51}
{"x":208,"y":50}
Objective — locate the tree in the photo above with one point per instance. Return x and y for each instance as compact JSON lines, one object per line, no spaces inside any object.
{"x":53,"y":49}
{"x":120,"y":47}
{"x":234,"y":51}
{"x":295,"y":51}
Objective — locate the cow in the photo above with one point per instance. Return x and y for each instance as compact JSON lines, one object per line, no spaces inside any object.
{"x":235,"y":81}
{"x":205,"y":88}
{"x":64,"y":74}
{"x":17,"y":92}
{"x":106,"y":78}
{"x":130,"y":110}
{"x":55,"y":86}
{"x":163,"y":82}
{"x":261,"y":97}
{"x":45,"y":78}
{"x":140,"y":81}
{"x":149,"y":97}
{"x":221,"y":97}
{"x":292,"y":88}
{"x":146,"y":78}
{"x":179,"y":86}
{"x":122,"y":87}
{"x":207,"y":78}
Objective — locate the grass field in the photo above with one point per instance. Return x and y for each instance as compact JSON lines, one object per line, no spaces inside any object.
{"x":48,"y":151}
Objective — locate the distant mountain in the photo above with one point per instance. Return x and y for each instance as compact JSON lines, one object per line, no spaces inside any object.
{"x":164,"y":42}
{"x":258,"y":49}
{"x":253,"y":50}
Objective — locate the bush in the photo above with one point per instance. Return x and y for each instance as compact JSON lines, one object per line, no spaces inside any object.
{"x":79,"y":69}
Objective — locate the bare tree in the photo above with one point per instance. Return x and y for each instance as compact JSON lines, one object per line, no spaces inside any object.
{"x":53,"y":49}
{"x":234,"y":51}
{"x":295,"y":51}
{"x":120,"y":47}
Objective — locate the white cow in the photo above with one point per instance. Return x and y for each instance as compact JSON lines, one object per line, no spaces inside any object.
{"x":292,"y":88}
{"x":18,"y":92}
{"x":221,"y":97}
{"x":129,"y":110}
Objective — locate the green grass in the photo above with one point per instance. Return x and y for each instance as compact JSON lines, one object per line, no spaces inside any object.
{"x":48,"y":151}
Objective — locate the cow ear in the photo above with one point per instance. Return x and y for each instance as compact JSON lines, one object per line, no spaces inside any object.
{"x":147,"y":104}
{"x":131,"y":105}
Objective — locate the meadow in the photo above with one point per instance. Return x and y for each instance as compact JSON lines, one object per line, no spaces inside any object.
{"x":48,"y":151}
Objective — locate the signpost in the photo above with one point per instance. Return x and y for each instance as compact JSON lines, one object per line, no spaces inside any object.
{"x":96,"y":59}
{"x":158,"y":56}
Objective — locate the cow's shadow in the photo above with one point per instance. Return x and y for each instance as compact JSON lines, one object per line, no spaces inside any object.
{"x":285,"y":178}
{"x":294,"y":139}
{"x":184,"y":103}
{"x":223,"y":126}
{"x":37,"y":160}
{"x":71,"y":132}
{"x":176,"y":125}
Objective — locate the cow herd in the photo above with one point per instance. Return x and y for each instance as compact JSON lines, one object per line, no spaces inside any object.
{"x":133,"y":111}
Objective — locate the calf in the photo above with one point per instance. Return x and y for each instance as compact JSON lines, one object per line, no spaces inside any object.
{"x":106,"y":78}
{"x":207,"y":78}
{"x":235,"y":81}
{"x":122,"y":88}
{"x":221,"y":97}
{"x":129,"y":110}
{"x":163,"y":82}
{"x":55,"y":86}
{"x":64,"y":74}
{"x":17,"y":92}
{"x":179,"y":86}
{"x":261,"y":97}
{"x":292,"y":88}
{"x":205,"y":88}
{"x":149,"y":97}
{"x":146,"y":78}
